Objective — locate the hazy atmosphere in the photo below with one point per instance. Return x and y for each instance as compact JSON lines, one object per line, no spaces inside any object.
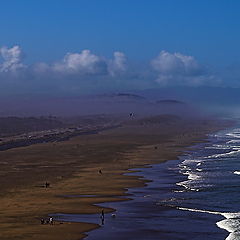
{"x":86,"y":47}
{"x":119,"y":119}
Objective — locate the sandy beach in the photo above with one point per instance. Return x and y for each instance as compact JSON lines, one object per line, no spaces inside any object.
{"x":73,"y":169}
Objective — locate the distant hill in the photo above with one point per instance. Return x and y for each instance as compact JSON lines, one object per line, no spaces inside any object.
{"x":199,"y":95}
{"x":109,"y":104}
{"x":169,"y":101}
{"x":123,"y":96}
{"x":129,"y":95}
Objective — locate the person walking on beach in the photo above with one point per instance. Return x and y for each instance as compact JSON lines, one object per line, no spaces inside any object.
{"x":102,"y":216}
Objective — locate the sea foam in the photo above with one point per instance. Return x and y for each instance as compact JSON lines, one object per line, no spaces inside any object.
{"x":231,"y":223}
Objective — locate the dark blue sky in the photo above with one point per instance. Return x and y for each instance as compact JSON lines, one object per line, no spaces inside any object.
{"x":47,"y":30}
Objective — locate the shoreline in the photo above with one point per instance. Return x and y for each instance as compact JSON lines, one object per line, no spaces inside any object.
{"x":125,"y":196}
{"x":87,"y":180}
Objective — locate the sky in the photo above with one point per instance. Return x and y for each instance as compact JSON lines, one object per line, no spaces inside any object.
{"x":89,"y":46}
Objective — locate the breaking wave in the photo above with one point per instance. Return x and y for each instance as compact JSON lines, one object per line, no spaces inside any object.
{"x":231,"y":223}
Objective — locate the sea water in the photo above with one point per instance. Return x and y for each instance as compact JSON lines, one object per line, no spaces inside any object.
{"x":195,"y":197}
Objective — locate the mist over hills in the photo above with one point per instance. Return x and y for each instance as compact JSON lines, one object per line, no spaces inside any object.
{"x":220,"y":101}
{"x":169,"y":101}
{"x":120,"y":103}
{"x":197,"y":95}
{"x":123,"y":96}
{"x":184,"y":100}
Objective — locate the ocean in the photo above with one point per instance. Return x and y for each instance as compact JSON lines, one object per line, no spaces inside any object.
{"x":195,"y":197}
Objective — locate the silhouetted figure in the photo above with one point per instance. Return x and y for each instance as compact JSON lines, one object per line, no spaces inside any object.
{"x":130,"y":114}
{"x":102,"y":220}
{"x":47,"y":184}
{"x":102,"y":216}
{"x":42,"y":221}
{"x":100,"y":171}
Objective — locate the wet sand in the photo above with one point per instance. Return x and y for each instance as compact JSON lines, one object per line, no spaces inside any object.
{"x":72,"y":168}
{"x":150,"y":215}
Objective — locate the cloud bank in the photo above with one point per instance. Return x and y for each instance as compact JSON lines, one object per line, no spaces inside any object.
{"x":85,"y":63}
{"x":77,"y":70}
{"x":82,"y":63}
{"x":179,"y":69}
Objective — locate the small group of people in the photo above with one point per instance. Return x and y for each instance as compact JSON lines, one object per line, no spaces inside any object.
{"x":47,"y":221}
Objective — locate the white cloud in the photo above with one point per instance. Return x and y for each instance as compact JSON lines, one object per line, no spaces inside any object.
{"x":85,"y":63}
{"x":118,"y":64}
{"x":79,"y":67}
{"x":179,"y":69}
{"x":12,"y":58}
{"x":81,"y":63}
